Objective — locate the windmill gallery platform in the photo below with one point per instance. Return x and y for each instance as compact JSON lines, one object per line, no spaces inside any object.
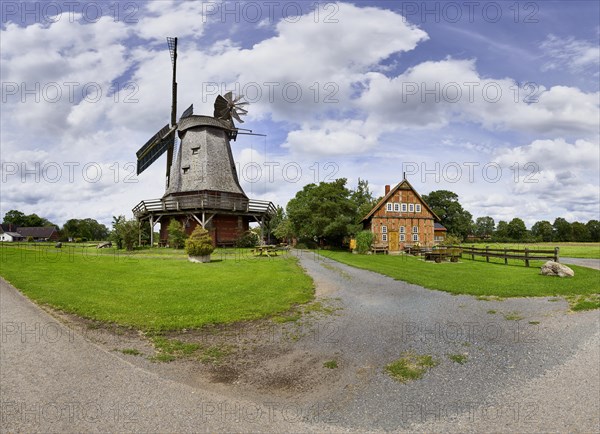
{"x":202,"y":186}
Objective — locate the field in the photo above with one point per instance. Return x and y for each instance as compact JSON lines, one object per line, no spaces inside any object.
{"x":567,"y":250}
{"x":475,"y":277}
{"x":153,"y":293}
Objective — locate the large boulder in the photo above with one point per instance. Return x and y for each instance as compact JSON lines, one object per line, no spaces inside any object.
{"x":552,"y":268}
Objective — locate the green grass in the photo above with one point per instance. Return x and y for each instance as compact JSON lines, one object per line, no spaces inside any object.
{"x":567,"y":250}
{"x":476,"y":278}
{"x":131,"y":352}
{"x":330,"y":364}
{"x":215,"y":354}
{"x":513,"y":316}
{"x":461,"y":359}
{"x":584,"y":302}
{"x":156,"y":294}
{"x":410,"y":367}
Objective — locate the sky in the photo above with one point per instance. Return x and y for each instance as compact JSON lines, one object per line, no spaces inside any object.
{"x":495,"y":101}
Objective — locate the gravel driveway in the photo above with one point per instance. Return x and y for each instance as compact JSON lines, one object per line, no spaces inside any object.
{"x":536,"y":372}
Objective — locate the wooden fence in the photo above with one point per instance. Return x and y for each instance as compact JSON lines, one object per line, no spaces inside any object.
{"x":519,"y":254}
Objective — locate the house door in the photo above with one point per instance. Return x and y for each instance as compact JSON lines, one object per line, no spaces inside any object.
{"x":393,"y":243}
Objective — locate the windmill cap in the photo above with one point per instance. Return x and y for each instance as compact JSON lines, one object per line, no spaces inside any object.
{"x":203,"y":121}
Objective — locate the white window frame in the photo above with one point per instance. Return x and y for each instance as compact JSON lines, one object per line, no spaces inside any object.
{"x":415,"y":237}
{"x":415,"y":229}
{"x":396,"y":207}
{"x":402,"y":237}
{"x":384,"y":237}
{"x":384,"y":229}
{"x":402,"y":230}
{"x":389,"y":207}
{"x":418,"y":207}
{"x":411,"y":207}
{"x":404,"y":207}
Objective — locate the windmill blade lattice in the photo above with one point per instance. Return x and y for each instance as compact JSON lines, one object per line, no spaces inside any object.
{"x":228,"y":108}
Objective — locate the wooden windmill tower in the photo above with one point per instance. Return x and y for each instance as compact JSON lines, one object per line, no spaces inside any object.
{"x":202,"y":186}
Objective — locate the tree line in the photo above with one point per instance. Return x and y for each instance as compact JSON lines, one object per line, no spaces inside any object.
{"x":330,"y":213}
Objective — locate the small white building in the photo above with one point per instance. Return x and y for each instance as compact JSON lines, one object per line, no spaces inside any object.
{"x":10,"y":237}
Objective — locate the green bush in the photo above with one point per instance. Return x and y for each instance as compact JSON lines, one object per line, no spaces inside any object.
{"x":176,"y":234}
{"x":30,"y":239}
{"x":199,"y":243}
{"x":364,"y":239}
{"x":247,"y":239}
{"x":452,"y":240}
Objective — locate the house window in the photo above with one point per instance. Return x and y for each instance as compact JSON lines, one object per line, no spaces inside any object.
{"x":389,"y":206}
{"x":396,"y":207}
{"x":402,"y":229}
{"x":403,"y":207}
{"x":383,"y":237}
{"x":402,"y":237}
{"x":415,"y":237}
{"x":418,"y":207}
{"x":411,"y":207}
{"x":415,"y":229}
{"x":384,"y":229}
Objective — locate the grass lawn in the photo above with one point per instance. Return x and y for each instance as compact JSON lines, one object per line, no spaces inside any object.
{"x":475,"y":277}
{"x":567,"y":250}
{"x":156,"y":293}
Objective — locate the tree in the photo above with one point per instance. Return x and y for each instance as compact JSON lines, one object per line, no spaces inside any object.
{"x":562,"y":230}
{"x":271,"y":225}
{"x":445,"y":204}
{"x":580,"y":232}
{"x":594,"y":230}
{"x":176,"y":234}
{"x":364,"y":202}
{"x":284,"y":230}
{"x":125,"y":232}
{"x":324,"y":211}
{"x":484,"y":226}
{"x":501,"y":233}
{"x":19,"y":219}
{"x":516,"y":229}
{"x":87,"y":228}
{"x":15,"y":217}
{"x":542,"y":231}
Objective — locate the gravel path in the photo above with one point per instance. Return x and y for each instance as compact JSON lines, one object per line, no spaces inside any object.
{"x":584,"y":262}
{"x":536,"y":372}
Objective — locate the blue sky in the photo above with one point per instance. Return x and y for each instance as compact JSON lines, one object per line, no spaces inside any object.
{"x":496,"y":101}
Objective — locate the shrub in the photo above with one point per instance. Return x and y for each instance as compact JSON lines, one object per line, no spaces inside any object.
{"x":199,"y":243}
{"x":176,"y":234}
{"x":30,"y":239}
{"x":452,"y":240}
{"x":247,"y":239}
{"x":364,"y":239}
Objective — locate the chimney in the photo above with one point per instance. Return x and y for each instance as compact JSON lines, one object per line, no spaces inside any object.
{"x":387,"y":189}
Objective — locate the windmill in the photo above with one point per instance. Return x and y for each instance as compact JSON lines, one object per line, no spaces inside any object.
{"x":202,"y":185}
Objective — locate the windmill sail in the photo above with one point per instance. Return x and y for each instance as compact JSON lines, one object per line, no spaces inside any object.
{"x":155,"y":147}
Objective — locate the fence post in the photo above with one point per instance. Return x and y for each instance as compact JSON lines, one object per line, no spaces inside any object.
{"x":505,"y":256}
{"x":472,"y":252}
{"x":556,"y":249}
{"x":527,"y":256}
{"x":487,"y":254}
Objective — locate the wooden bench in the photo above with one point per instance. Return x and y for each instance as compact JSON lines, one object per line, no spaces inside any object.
{"x":379,"y":248}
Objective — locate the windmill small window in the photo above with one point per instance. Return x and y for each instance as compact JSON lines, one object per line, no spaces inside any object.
{"x":195,"y":150}
{"x":185,"y":169}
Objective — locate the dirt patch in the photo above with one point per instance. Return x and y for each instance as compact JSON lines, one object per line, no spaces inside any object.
{"x":267,"y":358}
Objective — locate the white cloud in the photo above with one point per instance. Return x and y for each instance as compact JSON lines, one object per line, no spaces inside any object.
{"x":574,"y":54}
